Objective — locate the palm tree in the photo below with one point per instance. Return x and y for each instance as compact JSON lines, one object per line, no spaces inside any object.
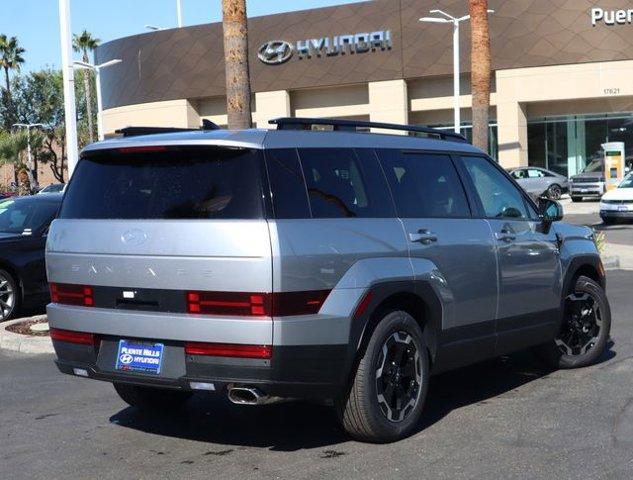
{"x":10,"y":59}
{"x":480,"y":71}
{"x":238,"y":88}
{"x":85,"y":43}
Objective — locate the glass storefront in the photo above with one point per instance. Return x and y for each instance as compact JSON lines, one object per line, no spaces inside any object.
{"x":567,"y":144}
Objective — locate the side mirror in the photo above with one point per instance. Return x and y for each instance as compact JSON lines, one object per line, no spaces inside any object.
{"x":550,"y":210}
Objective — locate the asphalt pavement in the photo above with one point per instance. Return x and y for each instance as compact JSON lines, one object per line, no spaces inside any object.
{"x":503,"y":419}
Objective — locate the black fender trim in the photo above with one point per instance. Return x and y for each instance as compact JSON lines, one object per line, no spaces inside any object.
{"x":362,"y":326}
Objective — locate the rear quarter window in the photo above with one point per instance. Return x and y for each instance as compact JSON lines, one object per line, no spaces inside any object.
{"x":166,"y":183}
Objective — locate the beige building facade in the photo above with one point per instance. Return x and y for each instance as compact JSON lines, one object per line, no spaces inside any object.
{"x":562,"y":79}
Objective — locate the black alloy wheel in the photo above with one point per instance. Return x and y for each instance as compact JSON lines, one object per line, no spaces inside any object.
{"x":398,"y":376}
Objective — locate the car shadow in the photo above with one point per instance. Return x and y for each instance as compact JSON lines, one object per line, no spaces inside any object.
{"x":301,"y":425}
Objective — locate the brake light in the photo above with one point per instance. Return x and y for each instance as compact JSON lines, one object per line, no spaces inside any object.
{"x":79,"y":338}
{"x":256,"y":304}
{"x":72,"y":294}
{"x":147,"y":149}
{"x":229,"y":350}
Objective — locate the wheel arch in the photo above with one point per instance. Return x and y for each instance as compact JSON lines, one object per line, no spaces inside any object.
{"x":13,"y":271}
{"x":417,"y":298}
{"x":584,"y":265}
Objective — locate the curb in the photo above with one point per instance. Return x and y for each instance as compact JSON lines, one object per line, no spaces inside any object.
{"x":23,"y":343}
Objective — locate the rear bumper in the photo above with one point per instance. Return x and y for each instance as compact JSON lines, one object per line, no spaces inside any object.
{"x":307,"y":362}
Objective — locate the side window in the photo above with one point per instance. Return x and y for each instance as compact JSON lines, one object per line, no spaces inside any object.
{"x":424,"y":185}
{"x":519,"y":174}
{"x":499,"y":197}
{"x":534,"y":173}
{"x":287,"y":186}
{"x":340,"y":184}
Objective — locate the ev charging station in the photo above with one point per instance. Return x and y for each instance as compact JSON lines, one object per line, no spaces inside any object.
{"x":613,"y":164}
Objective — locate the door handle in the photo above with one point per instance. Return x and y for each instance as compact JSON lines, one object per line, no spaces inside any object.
{"x":505,"y":236}
{"x":423,"y":236}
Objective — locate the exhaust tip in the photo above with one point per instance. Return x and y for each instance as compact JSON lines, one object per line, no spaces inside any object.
{"x":246,"y":396}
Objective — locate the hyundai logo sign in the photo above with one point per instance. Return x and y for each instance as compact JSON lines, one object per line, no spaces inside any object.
{"x":275,"y":52}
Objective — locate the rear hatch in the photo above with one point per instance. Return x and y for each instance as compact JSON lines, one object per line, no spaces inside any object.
{"x":146,"y":225}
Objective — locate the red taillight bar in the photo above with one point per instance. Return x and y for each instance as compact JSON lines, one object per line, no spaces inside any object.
{"x":143,"y":149}
{"x":72,"y":294}
{"x":256,"y":304}
{"x":229,"y":350}
{"x":80,"y":338}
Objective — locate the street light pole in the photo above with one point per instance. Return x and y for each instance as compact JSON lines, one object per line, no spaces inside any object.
{"x":69,"y":85}
{"x":179,"y":13}
{"x":28,"y":127}
{"x":446,"y":18}
{"x":97,"y":70}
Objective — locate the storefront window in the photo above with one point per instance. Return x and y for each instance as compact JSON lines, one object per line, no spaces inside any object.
{"x":566,"y":145}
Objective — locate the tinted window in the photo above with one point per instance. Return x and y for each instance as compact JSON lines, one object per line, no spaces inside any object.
{"x":25,"y":217}
{"x":290,"y":199}
{"x":339,"y":185}
{"x":424,"y":185}
{"x":498,"y":196}
{"x":174,"y":183}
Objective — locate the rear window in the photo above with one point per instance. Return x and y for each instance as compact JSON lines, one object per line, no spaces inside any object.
{"x":166,"y":183}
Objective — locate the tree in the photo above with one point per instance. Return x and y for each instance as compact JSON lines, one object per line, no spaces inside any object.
{"x":10,"y":59}
{"x":238,"y":89}
{"x":12,"y":145}
{"x":85,"y":43}
{"x":39,"y":99}
{"x":480,"y":71}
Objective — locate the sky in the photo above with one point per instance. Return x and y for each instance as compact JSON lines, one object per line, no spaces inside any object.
{"x":36,"y":22}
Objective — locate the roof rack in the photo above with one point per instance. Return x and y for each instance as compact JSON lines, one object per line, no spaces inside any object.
{"x":136,"y":131}
{"x":288,"y":123}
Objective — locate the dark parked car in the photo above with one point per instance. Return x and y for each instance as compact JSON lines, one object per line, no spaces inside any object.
{"x":539,"y":182}
{"x":24,"y":223}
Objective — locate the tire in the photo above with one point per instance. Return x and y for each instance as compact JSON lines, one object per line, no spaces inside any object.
{"x":364,"y":415}
{"x":554,"y":192}
{"x":576,"y":199}
{"x":559,"y":353}
{"x":9,"y":296}
{"x":608,"y":220}
{"x":151,"y":399}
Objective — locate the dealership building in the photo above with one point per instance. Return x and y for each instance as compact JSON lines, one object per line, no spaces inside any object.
{"x":562,"y":73}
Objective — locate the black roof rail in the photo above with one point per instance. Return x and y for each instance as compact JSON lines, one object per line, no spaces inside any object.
{"x":288,"y":123}
{"x":136,"y":131}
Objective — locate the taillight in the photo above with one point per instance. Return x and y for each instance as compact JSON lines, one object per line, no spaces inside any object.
{"x":229,"y":303}
{"x":298,"y":303}
{"x":72,"y":294}
{"x":229,"y":350}
{"x":256,"y":304}
{"x":80,"y":338}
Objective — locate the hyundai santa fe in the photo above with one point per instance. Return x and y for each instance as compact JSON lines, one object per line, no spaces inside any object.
{"x":314,"y":261}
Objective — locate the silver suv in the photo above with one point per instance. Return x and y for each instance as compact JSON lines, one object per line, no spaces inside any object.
{"x":337,"y":265}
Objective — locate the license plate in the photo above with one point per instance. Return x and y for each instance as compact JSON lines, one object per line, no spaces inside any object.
{"x":623,"y":208}
{"x":584,"y":190}
{"x":143,"y":357}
